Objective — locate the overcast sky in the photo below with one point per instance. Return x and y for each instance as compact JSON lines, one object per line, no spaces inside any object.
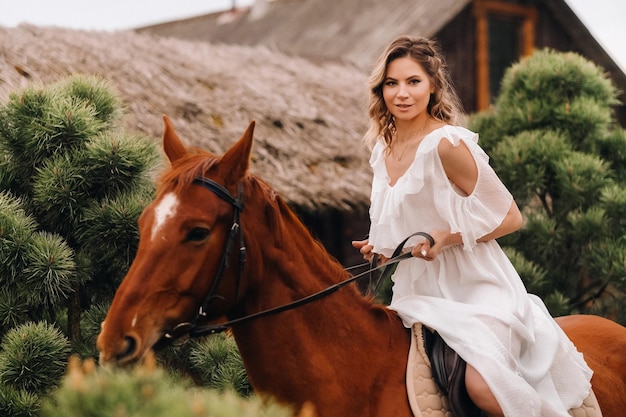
{"x":106,"y":15}
{"x":604,"y":18}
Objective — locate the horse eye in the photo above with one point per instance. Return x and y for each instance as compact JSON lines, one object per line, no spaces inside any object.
{"x":197,"y":234}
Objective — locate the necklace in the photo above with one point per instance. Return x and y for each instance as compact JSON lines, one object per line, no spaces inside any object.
{"x":406,"y":140}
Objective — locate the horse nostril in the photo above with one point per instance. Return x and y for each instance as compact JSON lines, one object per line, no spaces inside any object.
{"x":129,"y":348}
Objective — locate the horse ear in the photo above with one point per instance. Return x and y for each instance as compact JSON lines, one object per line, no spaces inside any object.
{"x":172,"y":145}
{"x":236,"y":160}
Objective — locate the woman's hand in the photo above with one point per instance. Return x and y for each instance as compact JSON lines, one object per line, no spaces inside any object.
{"x":442,"y":239}
{"x":365,"y":248}
{"x":367,"y":251}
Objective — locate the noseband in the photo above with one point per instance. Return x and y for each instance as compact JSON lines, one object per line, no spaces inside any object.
{"x":235,"y":229}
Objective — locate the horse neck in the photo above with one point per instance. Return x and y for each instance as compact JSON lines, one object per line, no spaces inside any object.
{"x":309,"y":342}
{"x":283,"y":253}
{"x":285,"y":263}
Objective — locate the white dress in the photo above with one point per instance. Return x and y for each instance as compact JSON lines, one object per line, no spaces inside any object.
{"x":470,"y":293}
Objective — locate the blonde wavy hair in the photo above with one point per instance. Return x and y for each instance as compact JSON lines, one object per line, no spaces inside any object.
{"x":444,"y":103}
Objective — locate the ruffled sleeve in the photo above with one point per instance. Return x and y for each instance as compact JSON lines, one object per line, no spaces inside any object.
{"x":482,"y":211}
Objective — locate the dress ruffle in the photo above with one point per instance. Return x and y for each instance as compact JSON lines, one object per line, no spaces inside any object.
{"x":473,"y":216}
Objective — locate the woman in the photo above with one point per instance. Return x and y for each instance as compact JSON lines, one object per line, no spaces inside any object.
{"x":431,"y":175}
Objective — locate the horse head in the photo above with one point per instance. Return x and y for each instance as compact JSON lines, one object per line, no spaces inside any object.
{"x":189,"y":273}
{"x":183,"y":234}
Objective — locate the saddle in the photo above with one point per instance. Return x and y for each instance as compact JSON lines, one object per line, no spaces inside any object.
{"x":448,"y":370}
{"x":436,"y":380}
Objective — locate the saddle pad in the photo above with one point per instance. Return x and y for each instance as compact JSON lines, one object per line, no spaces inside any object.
{"x":424,"y":396}
{"x":427,"y":401}
{"x":589,"y":408}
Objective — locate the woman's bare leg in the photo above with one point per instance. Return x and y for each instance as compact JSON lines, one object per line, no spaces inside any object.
{"x":480,"y":393}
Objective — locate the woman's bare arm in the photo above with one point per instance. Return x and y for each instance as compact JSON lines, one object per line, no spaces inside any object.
{"x":461,"y":169}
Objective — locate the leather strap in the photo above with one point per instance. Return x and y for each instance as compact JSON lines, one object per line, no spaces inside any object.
{"x":448,"y":370}
{"x":389,"y":269}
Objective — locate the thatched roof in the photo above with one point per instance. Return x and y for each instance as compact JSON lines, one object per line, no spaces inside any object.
{"x":352,"y":31}
{"x":310,"y":117}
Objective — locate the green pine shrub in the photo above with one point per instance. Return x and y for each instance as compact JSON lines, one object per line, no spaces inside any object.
{"x":97,"y":93}
{"x":33,"y":357}
{"x":554,"y":142}
{"x":74,"y":186}
{"x":13,"y":308}
{"x":612,"y":148}
{"x":40,"y":123}
{"x":108,"y":236}
{"x":146,"y":392}
{"x":556,"y":91}
{"x":90,"y":322}
{"x":115,"y":164}
{"x":36,"y":268}
{"x":16,"y":229}
{"x":49,"y":271}
{"x":217,"y":361}
{"x":60,"y":158}
{"x":18,"y":403}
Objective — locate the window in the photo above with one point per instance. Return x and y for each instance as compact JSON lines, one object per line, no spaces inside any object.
{"x":504,"y":34}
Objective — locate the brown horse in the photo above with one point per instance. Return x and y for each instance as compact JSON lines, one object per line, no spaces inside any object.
{"x":344,"y":353}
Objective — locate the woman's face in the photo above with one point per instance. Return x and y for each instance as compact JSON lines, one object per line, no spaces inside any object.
{"x":406,"y":89}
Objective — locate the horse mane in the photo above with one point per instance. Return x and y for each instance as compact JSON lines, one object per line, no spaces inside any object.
{"x":277,"y":213}
{"x":187,"y":169}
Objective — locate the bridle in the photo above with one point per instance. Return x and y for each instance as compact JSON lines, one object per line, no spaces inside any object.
{"x":235,"y":230}
{"x":194,"y":329}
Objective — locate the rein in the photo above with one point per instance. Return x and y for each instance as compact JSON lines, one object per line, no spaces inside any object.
{"x":196,"y":330}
